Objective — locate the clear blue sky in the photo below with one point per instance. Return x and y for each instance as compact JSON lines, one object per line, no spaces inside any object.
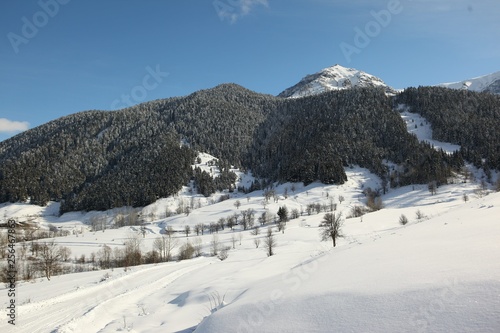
{"x":87,"y":54}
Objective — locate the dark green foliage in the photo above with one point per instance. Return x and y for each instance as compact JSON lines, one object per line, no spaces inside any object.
{"x":283,"y":214}
{"x":314,"y":138}
{"x":466,"y":118}
{"x":100,"y":160}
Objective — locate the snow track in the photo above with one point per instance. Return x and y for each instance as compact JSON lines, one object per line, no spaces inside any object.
{"x":108,"y":302}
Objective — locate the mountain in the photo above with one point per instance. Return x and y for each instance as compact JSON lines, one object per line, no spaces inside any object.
{"x":334,"y":78}
{"x":98,"y":160}
{"x":486,"y":83}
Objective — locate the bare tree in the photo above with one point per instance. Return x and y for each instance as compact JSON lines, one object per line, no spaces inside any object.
{"x":104,"y":257}
{"x":65,"y":253}
{"x":264,"y":218}
{"x":230,"y":222}
{"x":164,"y":245}
{"x":221,"y":222}
{"x":331,"y":227}
{"x":270,"y":242}
{"x":255,"y":231}
{"x":341,"y":198}
{"x":233,"y":240}
{"x":49,"y":259}
{"x":295,"y":214}
{"x":197,"y":229}
{"x":187,"y":230}
{"x":186,"y":251}
{"x":197,"y":245}
{"x":237,"y":204}
{"x":247,"y":218}
{"x":133,"y":252}
{"x":256,"y":241}
{"x":214,"y":245}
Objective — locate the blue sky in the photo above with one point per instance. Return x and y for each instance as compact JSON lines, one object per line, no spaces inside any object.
{"x":59,"y":57}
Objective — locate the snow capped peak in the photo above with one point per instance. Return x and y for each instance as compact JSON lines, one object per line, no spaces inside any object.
{"x":336,"y":77}
{"x":486,"y":83}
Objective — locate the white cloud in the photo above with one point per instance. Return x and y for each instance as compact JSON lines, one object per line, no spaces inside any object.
{"x":232,"y":10}
{"x":9,"y":126}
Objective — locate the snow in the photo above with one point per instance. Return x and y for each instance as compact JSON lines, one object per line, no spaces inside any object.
{"x":418,"y":125}
{"x":334,"y":78}
{"x":440,"y":273}
{"x":480,"y":83}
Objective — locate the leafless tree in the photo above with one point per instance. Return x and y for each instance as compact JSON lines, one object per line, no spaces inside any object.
{"x":133,"y":252}
{"x":295,"y":214}
{"x":197,"y":245}
{"x":164,"y":245}
{"x":214,"y":245}
{"x":186,"y":251}
{"x":221,"y":222}
{"x":230,"y":222}
{"x":237,"y":204}
{"x":270,"y":242}
{"x":197,"y":229}
{"x":331,"y":227}
{"x":104,"y":256}
{"x":65,"y":253}
{"x":256,"y":241}
{"x":48,"y":260}
{"x":233,"y":240}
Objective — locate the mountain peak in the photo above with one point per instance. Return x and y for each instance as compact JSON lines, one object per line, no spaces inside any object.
{"x":336,"y":77}
{"x":486,"y":83}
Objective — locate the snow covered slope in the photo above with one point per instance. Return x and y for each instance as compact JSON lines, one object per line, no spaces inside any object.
{"x":334,"y":78}
{"x":441,"y":275}
{"x":437,"y":274}
{"x":487,"y":83}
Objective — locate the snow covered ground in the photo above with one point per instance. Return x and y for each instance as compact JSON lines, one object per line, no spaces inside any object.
{"x":419,"y":126}
{"x":439,"y":273}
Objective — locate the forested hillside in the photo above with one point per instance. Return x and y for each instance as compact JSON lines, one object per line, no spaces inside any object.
{"x":466,"y":118}
{"x":99,"y":160}
{"x":319,"y":135}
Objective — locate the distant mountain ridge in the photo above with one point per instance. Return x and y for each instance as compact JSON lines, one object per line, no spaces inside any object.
{"x":335,"y":78}
{"x":97,"y":160}
{"x":486,"y":83}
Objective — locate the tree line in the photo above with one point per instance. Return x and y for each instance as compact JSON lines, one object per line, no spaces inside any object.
{"x":98,"y":160}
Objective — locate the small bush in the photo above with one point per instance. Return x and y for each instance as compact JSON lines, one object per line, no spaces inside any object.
{"x":357,"y":211}
{"x":419,"y":215}
{"x":374,"y":203}
{"x":186,"y":251}
{"x":224,"y":253}
{"x":255,"y":231}
{"x":403,"y":220}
